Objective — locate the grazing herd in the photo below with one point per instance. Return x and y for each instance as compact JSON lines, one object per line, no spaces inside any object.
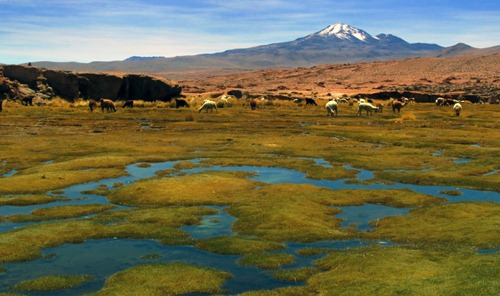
{"x":332,"y":106}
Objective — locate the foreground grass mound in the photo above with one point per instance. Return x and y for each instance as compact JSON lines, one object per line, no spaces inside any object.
{"x":164,"y":279}
{"x":53,"y":282}
{"x":465,"y":224}
{"x":207,"y":188}
{"x":395,"y":270}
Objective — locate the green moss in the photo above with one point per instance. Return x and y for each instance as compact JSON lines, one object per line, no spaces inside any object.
{"x":312,"y":251}
{"x":305,"y":213}
{"x":53,"y":282}
{"x":467,"y":224}
{"x":61,"y":212}
{"x":216,"y":188}
{"x":231,"y":245}
{"x":266,"y":260}
{"x":451,"y":192}
{"x":295,"y":275}
{"x":102,"y":190}
{"x":25,"y":243}
{"x":396,"y":270}
{"x":151,"y":256}
{"x":27,"y":200}
{"x":43,"y":182}
{"x":165,"y":279}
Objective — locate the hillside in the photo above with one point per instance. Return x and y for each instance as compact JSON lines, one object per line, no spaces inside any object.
{"x":477,"y":75}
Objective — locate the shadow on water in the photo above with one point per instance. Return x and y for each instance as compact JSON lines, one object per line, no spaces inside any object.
{"x":102,"y":258}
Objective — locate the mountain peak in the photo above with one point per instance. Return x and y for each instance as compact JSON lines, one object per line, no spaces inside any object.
{"x":344,"y":31}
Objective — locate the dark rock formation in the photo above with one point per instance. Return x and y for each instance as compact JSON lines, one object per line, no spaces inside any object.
{"x":146,"y":88}
{"x":71,"y":86}
{"x":236,"y":93}
{"x":65,"y":84}
{"x":24,"y":74}
{"x":97,"y":85}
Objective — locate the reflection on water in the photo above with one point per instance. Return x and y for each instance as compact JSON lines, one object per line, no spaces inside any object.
{"x":361,"y":216}
{"x":212,"y":225}
{"x":102,"y":258}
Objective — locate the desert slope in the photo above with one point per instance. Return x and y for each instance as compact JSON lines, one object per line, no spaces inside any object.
{"x":473,"y":74}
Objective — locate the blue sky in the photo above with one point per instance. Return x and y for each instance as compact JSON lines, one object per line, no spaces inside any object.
{"x":100,"y":30}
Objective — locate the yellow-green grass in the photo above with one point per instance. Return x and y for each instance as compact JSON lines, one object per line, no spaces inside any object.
{"x":305,"y":213}
{"x":77,"y":141}
{"x":308,"y":166}
{"x":474,"y":224}
{"x":102,"y":190}
{"x":375,"y":143}
{"x":162,"y":224}
{"x":60,"y":212}
{"x":53,"y":282}
{"x":165,"y":279}
{"x":215,"y":188}
{"x":451,"y":192}
{"x":27,"y":200}
{"x":82,"y":163}
{"x":41,"y":182}
{"x":288,"y":291}
{"x":266,"y":260}
{"x":232,"y":245}
{"x":295,"y":274}
{"x":400,"y":271}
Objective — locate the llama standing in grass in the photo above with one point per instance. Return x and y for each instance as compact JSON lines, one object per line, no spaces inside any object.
{"x":369,"y":108}
{"x":457,"y":108}
{"x":397,"y":105}
{"x":208,"y":105}
{"x":332,"y":108}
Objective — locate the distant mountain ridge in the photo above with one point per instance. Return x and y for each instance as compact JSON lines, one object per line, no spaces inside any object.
{"x":139,"y":58}
{"x":337,"y":43}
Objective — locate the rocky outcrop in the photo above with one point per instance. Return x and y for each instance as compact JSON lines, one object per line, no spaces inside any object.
{"x":25,"y":75}
{"x":71,"y":86}
{"x":96,"y":85}
{"x":65,"y":84}
{"x":141,"y":87}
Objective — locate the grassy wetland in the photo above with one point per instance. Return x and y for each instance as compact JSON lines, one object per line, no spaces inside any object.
{"x":442,"y":170}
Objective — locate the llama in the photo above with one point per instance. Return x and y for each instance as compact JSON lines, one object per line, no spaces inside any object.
{"x":208,"y":105}
{"x":181,"y":103}
{"x":397,"y":105}
{"x":128,"y":104}
{"x":253,"y":104}
{"x":92,"y":105}
{"x":332,"y":108}
{"x":311,"y":102}
{"x":366,"y":106}
{"x":457,"y":108}
{"x":108,"y":105}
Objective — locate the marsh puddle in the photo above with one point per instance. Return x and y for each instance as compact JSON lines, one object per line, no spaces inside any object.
{"x":102,"y":258}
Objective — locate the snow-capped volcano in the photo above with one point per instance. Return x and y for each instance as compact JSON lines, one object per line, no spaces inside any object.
{"x":343,"y":31}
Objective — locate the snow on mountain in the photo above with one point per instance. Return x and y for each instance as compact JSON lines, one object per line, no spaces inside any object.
{"x":345,"y":32}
